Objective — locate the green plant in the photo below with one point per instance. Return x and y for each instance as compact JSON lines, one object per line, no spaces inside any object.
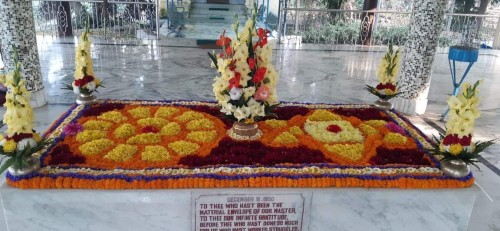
{"x":392,"y":35}
{"x":337,"y":33}
{"x":163,"y":13}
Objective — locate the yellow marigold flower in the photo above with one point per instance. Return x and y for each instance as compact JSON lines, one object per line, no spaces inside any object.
{"x":189,"y":116}
{"x":97,"y":125}
{"x":296,"y":130}
{"x":368,"y":130}
{"x":9,"y":146}
{"x":349,"y":151}
{"x":37,"y":137}
{"x":200,"y":124}
{"x":145,"y":138}
{"x":140,"y":112}
{"x":155,"y":153}
{"x":155,"y":122}
{"x":286,"y":138}
{"x":323,"y":115}
{"x":121,"y":153}
{"x":249,"y":121}
{"x":376,"y":123}
{"x":96,"y":146}
{"x":395,"y":138}
{"x":171,"y":129}
{"x":114,"y":116}
{"x":202,"y":136}
{"x":389,"y":92}
{"x":274,"y":123}
{"x":89,"y":135}
{"x":124,"y":131}
{"x":166,"y":112}
{"x":456,"y":149}
{"x":183,"y":148}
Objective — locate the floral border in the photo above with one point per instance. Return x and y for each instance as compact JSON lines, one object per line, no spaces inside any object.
{"x":305,"y":175}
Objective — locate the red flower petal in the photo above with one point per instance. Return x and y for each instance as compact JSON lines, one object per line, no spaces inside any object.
{"x":259,"y":75}
{"x":251,"y":62}
{"x":150,"y":129}
{"x":334,"y":128}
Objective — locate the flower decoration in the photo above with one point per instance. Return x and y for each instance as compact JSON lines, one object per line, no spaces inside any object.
{"x":72,"y":129}
{"x":21,"y":141}
{"x":246,"y":86}
{"x":457,"y":143}
{"x":85,"y":81}
{"x":387,"y":73}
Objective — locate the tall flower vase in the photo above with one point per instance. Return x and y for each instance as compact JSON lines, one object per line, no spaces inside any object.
{"x":383,"y":104}
{"x":455,"y":168}
{"x":86,"y":99}
{"x":244,"y":131}
{"x":32,"y":165}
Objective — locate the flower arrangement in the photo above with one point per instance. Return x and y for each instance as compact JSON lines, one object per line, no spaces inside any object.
{"x":457,"y":142}
{"x":21,"y":141}
{"x":246,"y":87}
{"x":85,"y":81}
{"x":287,"y":155}
{"x":387,"y":73}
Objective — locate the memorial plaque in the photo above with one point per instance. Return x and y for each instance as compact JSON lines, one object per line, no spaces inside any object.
{"x":251,"y":212}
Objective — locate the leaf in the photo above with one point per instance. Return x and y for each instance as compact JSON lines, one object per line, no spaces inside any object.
{"x":266,"y":81}
{"x":6,"y":165}
{"x":67,"y":87}
{"x":214,"y":59}
{"x":482,"y":146}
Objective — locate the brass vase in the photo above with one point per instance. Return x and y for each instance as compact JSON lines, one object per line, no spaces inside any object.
{"x":455,"y":168}
{"x":244,"y":131}
{"x":32,"y":165}
{"x":86,"y":99}
{"x":383,"y":104}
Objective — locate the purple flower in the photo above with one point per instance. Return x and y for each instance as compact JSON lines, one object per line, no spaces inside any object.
{"x":72,"y":129}
{"x":395,"y":128}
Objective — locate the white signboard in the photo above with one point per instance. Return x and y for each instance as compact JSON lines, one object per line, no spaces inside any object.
{"x":250,"y":212}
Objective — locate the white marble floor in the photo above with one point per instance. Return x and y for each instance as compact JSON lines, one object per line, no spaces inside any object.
{"x":177,"y":69}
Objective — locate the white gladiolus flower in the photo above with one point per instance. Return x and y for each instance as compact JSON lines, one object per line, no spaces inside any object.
{"x":238,"y":114}
{"x":249,"y":91}
{"x":228,"y":109}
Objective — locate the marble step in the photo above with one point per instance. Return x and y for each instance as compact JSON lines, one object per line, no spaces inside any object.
{"x":215,"y":19}
{"x":211,"y":11}
{"x":230,"y":7}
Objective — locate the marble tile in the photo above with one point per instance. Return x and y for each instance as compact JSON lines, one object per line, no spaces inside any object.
{"x":177,"y":69}
{"x":332,"y":209}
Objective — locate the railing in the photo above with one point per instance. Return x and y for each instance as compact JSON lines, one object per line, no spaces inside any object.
{"x":107,"y":19}
{"x":349,"y":27}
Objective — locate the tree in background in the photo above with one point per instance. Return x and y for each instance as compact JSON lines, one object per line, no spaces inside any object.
{"x":469,"y":6}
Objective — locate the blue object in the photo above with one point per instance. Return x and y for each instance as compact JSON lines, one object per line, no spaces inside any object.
{"x":460,"y":54}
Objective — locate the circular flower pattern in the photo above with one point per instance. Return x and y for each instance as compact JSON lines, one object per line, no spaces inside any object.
{"x":319,"y":131}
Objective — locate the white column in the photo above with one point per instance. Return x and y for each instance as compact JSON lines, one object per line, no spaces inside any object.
{"x":425,"y":27}
{"x":496,"y":41}
{"x":17,"y":29}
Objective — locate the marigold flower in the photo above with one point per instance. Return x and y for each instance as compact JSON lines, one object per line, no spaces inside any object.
{"x":155,"y":153}
{"x":455,"y":149}
{"x":9,"y":146}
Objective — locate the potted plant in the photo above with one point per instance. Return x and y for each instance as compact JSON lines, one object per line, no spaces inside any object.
{"x":387,"y":74}
{"x":455,"y":146}
{"x":245,"y":88}
{"x":19,"y":146}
